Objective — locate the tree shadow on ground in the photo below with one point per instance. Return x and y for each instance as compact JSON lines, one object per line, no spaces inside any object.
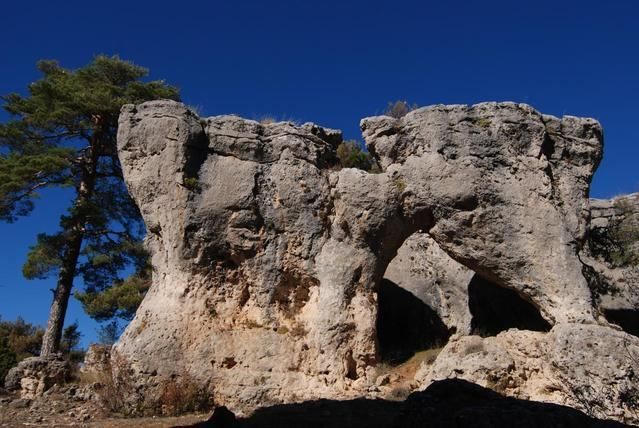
{"x":448,"y":403}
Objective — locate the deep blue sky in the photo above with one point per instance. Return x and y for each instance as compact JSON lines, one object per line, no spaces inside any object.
{"x":334,"y":62}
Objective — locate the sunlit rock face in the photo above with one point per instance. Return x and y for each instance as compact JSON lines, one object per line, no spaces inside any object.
{"x":268,"y":257}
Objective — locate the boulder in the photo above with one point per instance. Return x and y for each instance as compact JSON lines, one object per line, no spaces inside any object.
{"x":97,"y":359}
{"x":588,"y":367}
{"x":35,"y":375}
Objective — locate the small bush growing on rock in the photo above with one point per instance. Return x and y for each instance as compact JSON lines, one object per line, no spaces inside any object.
{"x":351,"y":155}
{"x":618,"y":243}
{"x":399,"y":109}
{"x":267,"y":120}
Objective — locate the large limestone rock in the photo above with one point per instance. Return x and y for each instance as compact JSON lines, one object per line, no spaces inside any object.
{"x":267,"y":257}
{"x":511,"y":188}
{"x":588,"y":367}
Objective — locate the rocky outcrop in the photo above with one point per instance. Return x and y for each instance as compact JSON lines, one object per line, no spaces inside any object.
{"x":34,"y":375}
{"x":511,"y":188}
{"x":588,"y":367}
{"x":268,"y":257}
{"x":97,"y":359}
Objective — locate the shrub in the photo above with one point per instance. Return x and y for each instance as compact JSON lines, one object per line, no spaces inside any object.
{"x":267,"y":120}
{"x":116,"y":388}
{"x":351,"y":155}
{"x":22,"y":338}
{"x":18,"y":340}
{"x":399,"y":109}
{"x":8,"y":359}
{"x":192,"y":183}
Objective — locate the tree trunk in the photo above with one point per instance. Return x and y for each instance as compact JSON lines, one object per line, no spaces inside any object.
{"x":73,"y":245}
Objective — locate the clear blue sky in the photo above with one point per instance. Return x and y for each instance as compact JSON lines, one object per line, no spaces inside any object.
{"x":334,"y":62}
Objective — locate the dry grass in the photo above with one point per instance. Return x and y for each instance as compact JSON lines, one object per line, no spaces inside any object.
{"x":118,"y":394}
{"x":267,"y":120}
{"x":183,"y":394}
{"x":410,"y":367}
{"x":404,"y":374}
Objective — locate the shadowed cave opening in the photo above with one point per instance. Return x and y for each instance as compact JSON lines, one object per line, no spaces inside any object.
{"x":495,"y":309}
{"x":405,"y":324}
{"x":627,"y":319}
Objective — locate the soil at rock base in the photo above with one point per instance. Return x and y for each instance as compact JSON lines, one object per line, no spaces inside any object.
{"x":450,"y":403}
{"x":67,"y":407}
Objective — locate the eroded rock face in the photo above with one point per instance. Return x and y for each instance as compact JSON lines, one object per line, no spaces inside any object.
{"x":511,"y":188}
{"x":34,"y":375}
{"x":267,"y":258}
{"x":588,"y":367}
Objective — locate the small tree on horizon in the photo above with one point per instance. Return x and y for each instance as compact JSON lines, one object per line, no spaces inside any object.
{"x":63,"y":134}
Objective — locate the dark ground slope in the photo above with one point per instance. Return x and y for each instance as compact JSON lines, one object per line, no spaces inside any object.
{"x":449,"y":403}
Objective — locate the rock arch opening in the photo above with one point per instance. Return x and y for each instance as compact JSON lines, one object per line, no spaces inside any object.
{"x":412,"y":314}
{"x":627,"y":319}
{"x":405,"y":324}
{"x":495,"y":309}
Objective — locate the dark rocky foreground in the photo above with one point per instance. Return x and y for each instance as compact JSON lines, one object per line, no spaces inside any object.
{"x":449,"y":403}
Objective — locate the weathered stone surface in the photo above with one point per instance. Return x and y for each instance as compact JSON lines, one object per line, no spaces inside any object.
{"x":33,"y":376}
{"x":267,"y":258}
{"x":97,"y":359}
{"x":589,"y":367}
{"x":237,"y":213}
{"x":511,"y":188}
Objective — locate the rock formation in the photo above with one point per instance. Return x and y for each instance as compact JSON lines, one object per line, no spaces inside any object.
{"x":268,"y":258}
{"x":34,"y":375}
{"x":611,"y":255}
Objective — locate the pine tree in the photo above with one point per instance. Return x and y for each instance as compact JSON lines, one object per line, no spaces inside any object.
{"x":63,"y":134}
{"x":70,"y":338}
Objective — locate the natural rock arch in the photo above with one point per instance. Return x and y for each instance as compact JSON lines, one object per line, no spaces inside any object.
{"x":267,"y":262}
